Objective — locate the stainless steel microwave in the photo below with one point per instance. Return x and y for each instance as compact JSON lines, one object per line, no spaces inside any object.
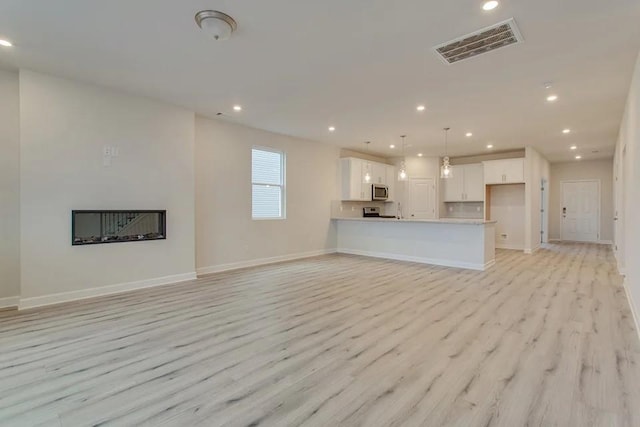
{"x":379,"y":192}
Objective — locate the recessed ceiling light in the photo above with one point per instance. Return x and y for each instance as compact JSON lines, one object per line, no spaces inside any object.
{"x":566,"y":131}
{"x":392,"y":146}
{"x":578,"y":157}
{"x":237,"y":108}
{"x":490,"y":146}
{"x":419,"y":154}
{"x":420,"y":107}
{"x":574,"y":147}
{"x":332,"y":128}
{"x":469,"y":134}
{"x":5,"y":43}
{"x":552,"y":98}
{"x":490,"y":5}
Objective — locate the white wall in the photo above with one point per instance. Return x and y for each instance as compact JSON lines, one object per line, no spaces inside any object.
{"x":226,"y":235}
{"x":595,"y":169}
{"x":627,"y":185}
{"x":64,"y":126}
{"x":536,"y":169}
{"x":9,"y":188}
{"x":508,"y":208}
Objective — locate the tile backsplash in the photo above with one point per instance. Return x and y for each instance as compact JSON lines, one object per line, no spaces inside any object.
{"x":473,"y":210}
{"x":342,"y":209}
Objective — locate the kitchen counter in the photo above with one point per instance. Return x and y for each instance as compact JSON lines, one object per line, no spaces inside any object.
{"x":437,"y":221}
{"x":451,"y":242}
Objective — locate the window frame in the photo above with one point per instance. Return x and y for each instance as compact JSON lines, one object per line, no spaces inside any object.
{"x":282,"y":185}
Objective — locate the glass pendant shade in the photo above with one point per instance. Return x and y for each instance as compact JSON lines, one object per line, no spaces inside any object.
{"x":366,"y":178}
{"x":445,"y":170}
{"x":402,"y":173}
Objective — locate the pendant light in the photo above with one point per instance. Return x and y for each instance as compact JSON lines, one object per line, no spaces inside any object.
{"x":402,"y":173}
{"x":446,"y":171}
{"x":366,"y":178}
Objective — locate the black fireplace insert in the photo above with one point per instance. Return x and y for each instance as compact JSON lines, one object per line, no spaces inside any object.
{"x":89,"y":227}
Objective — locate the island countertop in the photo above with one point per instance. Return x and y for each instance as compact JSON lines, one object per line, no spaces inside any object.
{"x":452,"y":242}
{"x":410,"y":220}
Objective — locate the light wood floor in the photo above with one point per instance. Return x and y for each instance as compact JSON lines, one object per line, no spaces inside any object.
{"x":542,"y":340}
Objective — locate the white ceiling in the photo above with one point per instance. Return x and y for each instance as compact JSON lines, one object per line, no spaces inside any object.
{"x":362,"y":65}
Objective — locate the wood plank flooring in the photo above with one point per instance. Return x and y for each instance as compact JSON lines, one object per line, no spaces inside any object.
{"x":538,"y":340}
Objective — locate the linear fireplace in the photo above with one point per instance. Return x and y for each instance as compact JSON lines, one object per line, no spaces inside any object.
{"x":90,"y":227}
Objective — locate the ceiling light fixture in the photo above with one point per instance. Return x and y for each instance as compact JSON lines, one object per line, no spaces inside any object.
{"x":445,"y":170}
{"x":402,"y":173}
{"x":566,"y":131}
{"x":490,"y":146}
{"x":578,"y":157}
{"x":218,"y":24}
{"x":468,"y":134}
{"x":420,"y":107}
{"x":5,"y":43}
{"x":332,"y":128}
{"x":552,"y":98}
{"x":574,"y":147}
{"x":419,"y":154}
{"x":490,"y":5}
{"x":392,"y":146}
{"x":237,"y":108}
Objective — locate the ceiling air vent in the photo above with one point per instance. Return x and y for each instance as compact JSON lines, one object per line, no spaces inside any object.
{"x":491,"y":38}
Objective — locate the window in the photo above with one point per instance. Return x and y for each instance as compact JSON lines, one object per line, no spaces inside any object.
{"x":267,"y":181}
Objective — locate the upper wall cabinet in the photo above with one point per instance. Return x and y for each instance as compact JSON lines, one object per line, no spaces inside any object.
{"x":507,"y":171}
{"x":353,"y":186}
{"x":466,"y":184}
{"x":390,"y":174}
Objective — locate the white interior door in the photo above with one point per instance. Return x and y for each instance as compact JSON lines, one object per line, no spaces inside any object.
{"x":422,"y":198}
{"x":580,"y":211}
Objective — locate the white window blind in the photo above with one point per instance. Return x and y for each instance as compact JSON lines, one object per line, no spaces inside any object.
{"x":267,"y":179}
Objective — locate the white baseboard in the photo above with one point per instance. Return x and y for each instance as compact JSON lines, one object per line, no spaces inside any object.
{"x":532,"y":251}
{"x":261,"y":261}
{"x":634,"y":310}
{"x":508,"y":246}
{"x":33,"y":302}
{"x":421,"y":260}
{"x":9,"y":302}
{"x":600,"y":242}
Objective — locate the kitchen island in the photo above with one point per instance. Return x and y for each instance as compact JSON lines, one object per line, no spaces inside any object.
{"x":463,"y":243}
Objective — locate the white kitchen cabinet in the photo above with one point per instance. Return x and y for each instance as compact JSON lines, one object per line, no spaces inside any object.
{"x":474,"y":183}
{"x":454,"y":185}
{"x":466,"y":184}
{"x":507,"y":171}
{"x":390,"y":175}
{"x":378,"y":173}
{"x":353,"y":171}
{"x":353,"y":186}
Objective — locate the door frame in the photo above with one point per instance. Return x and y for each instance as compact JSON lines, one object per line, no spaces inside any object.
{"x":544,"y":207}
{"x":562,"y":182}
